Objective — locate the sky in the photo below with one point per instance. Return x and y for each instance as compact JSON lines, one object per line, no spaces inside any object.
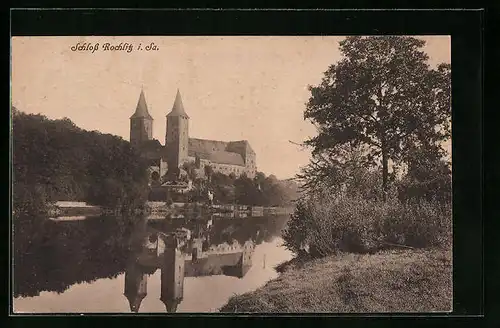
{"x":232,"y":87}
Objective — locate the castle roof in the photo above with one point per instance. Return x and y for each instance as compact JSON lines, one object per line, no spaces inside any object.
{"x":171,"y":305}
{"x":178,"y":107}
{"x":213,"y":264}
{"x":219,"y":157}
{"x":141,"y":110}
{"x":135,"y":286}
{"x":135,"y":303}
{"x":214,"y":151}
{"x":225,"y":157}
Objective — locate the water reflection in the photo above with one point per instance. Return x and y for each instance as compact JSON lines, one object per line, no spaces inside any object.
{"x":54,"y":256}
{"x":179,"y":254}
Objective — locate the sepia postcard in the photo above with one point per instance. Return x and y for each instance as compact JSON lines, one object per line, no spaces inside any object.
{"x":231,"y":174}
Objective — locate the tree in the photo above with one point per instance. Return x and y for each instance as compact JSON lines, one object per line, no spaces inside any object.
{"x":190,"y":168}
{"x":427,"y":177}
{"x":343,"y":174}
{"x":381,"y":96}
{"x":332,"y":170}
{"x":208,"y":171}
{"x":55,"y":160}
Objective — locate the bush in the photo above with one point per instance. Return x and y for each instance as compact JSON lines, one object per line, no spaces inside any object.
{"x":324,"y":225}
{"x":29,"y":199}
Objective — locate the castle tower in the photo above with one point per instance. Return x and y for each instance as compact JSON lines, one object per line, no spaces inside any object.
{"x":248,"y":250}
{"x":141,"y":123}
{"x":246,"y":259}
{"x":172,"y":277}
{"x":197,"y":248}
{"x":136,"y":286}
{"x":177,"y":135}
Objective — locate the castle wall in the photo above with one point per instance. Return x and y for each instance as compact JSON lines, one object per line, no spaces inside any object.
{"x":228,"y":169}
{"x":248,"y":249}
{"x":243,"y":148}
{"x":251,"y":163}
{"x":221,"y":168}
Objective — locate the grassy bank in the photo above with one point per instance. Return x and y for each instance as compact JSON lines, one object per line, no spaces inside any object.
{"x":388,"y":281}
{"x":359,"y":255}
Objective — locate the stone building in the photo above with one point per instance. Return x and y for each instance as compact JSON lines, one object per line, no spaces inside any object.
{"x":227,"y":157}
{"x":233,"y":259}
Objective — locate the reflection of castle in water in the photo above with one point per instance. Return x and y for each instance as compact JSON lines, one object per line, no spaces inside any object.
{"x":178,"y":256}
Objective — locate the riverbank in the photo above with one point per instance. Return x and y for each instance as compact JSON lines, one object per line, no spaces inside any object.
{"x":388,"y":281}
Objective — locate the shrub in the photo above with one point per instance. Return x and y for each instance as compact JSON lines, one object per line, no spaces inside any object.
{"x":322,"y":225}
{"x":29,"y":199}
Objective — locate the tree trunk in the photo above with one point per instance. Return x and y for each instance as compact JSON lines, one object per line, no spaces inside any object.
{"x":385,"y":173}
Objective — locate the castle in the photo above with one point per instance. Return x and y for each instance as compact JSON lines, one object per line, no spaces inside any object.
{"x":235,"y":157}
{"x":223,"y":259}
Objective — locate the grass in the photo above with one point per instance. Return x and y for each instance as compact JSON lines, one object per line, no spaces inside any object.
{"x":388,"y":281}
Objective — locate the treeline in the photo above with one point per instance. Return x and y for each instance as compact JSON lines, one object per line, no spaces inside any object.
{"x":55,"y":160}
{"x":262,"y":190}
{"x":259,"y":191}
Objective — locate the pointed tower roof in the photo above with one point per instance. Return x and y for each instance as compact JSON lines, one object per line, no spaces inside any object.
{"x":135,"y":302}
{"x":136,"y":285}
{"x":178,"y":108}
{"x":171,"y":305}
{"x":142,"y":108}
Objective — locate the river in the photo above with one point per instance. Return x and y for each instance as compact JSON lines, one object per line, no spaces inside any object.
{"x":87,"y":265}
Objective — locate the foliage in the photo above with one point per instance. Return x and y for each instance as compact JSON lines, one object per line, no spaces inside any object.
{"x":323,"y":225}
{"x":208,"y":171}
{"x":382,"y":97}
{"x":260,"y":191}
{"x":55,"y":160}
{"x":380,"y":105}
{"x":223,"y":188}
{"x":29,"y":199}
{"x":427,"y":178}
{"x":229,"y":189}
{"x":345,"y":175}
{"x":190,"y":168}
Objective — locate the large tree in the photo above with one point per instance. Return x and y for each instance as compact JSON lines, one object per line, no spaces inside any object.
{"x":382,"y":97}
